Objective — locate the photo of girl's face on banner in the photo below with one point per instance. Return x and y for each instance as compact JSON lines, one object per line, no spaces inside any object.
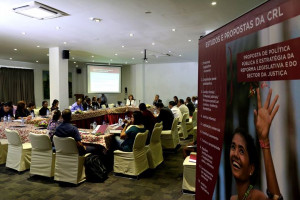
{"x":262,"y":129}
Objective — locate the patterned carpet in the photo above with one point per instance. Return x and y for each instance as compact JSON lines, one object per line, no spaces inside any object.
{"x":163,"y":183}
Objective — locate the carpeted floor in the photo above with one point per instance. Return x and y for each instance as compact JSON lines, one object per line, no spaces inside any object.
{"x":160,"y":184}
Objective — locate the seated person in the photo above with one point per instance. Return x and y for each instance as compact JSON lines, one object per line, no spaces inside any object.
{"x":6,"y":110}
{"x":99,"y":103}
{"x":87,"y":105}
{"x":183,"y":108}
{"x":94,"y":102}
{"x":55,"y":105}
{"x":195,"y":101}
{"x":54,"y":123}
{"x":165,"y":115}
{"x":30,"y":108}
{"x":66,"y":129}
{"x":190,"y":105}
{"x":126,"y":140}
{"x":77,"y":105}
{"x":175,"y":110}
{"x":175,"y":98}
{"x":149,"y":120}
{"x":130,"y":101}
{"x":44,"y":110}
{"x":22,"y":111}
{"x":156,"y":100}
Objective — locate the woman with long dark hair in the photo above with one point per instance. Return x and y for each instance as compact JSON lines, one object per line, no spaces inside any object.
{"x":243,"y":155}
{"x":55,"y":105}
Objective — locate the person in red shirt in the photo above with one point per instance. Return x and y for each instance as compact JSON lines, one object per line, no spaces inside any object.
{"x":149,"y":120}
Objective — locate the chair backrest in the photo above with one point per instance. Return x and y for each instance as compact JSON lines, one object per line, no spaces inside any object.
{"x":111,"y":105}
{"x":155,"y":136}
{"x":194,"y":119}
{"x":174,"y":124}
{"x":184,"y":118}
{"x":65,"y":145}
{"x":103,"y":106}
{"x":40,"y":141}
{"x":13,"y":137}
{"x":158,"y":124}
{"x":140,"y":141}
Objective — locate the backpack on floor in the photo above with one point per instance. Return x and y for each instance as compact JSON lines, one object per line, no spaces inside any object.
{"x":95,"y":169}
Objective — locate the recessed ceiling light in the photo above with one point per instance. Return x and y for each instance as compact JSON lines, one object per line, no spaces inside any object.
{"x":65,"y":42}
{"x":213,"y":3}
{"x":111,"y":59}
{"x":37,"y":61}
{"x":15,"y":49}
{"x":179,"y":55}
{"x":10,"y":58}
{"x":123,"y":46}
{"x":116,"y":54}
{"x":142,"y":51}
{"x":132,"y":58}
{"x":126,"y":63}
{"x":23,"y":33}
{"x":131,"y":34}
{"x":170,"y":51}
{"x":153,"y":43}
{"x":95,"y":19}
{"x":38,"y":46}
{"x":73,"y":58}
{"x":74,"y":62}
{"x":57,"y":28}
{"x":92,"y":56}
{"x":146,"y":61}
{"x":189,"y":40}
{"x":173,"y":29}
{"x":39,"y":11}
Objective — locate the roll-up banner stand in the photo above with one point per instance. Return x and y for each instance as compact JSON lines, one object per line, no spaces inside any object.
{"x":249,"y":73}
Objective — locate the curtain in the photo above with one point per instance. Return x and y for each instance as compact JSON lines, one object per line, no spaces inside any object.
{"x":16,"y":85}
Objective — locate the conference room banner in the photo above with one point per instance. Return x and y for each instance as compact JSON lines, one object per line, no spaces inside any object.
{"x":259,"y":50}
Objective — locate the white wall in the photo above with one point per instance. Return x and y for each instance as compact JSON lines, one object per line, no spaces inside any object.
{"x":167,"y":80}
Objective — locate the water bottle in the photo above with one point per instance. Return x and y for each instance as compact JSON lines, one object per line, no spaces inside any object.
{"x":155,"y":112}
{"x":22,"y":121}
{"x":32,"y":115}
{"x":48,"y":112}
{"x":87,"y":108}
{"x":95,"y":107}
{"x":103,"y":123}
{"x":8,"y":118}
{"x":5,"y":119}
{"x":126,"y":117}
{"x":94,"y":125}
{"x":120,"y":121}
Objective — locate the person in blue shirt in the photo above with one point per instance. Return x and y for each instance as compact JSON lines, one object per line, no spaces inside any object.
{"x":66,"y":129}
{"x":77,"y":106}
{"x":126,"y":140}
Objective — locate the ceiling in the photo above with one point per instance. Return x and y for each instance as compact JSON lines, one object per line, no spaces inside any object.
{"x":102,"y":42}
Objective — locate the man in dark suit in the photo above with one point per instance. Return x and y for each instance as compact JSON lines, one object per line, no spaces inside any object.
{"x":190,"y":105}
{"x":165,"y":115}
{"x":156,"y":100}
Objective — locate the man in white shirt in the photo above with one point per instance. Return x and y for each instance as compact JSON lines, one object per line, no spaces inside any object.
{"x":182,"y":107}
{"x":175,"y":110}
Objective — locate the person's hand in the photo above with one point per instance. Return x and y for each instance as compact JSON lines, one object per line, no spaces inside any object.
{"x":264,"y":116}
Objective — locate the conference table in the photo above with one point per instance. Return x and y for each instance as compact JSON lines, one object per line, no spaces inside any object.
{"x":106,"y":140}
{"x":85,"y":118}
